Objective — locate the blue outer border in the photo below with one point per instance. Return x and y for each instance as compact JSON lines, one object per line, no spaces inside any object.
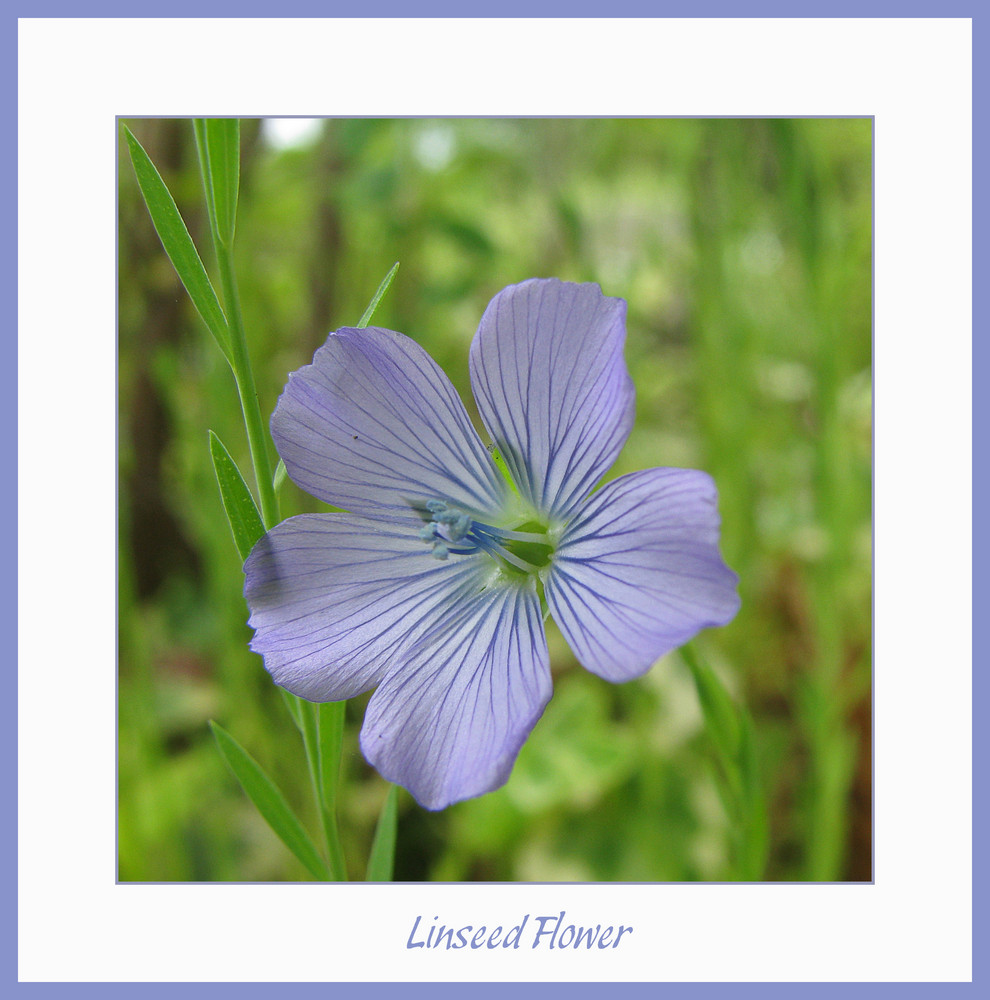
{"x":981,"y":479}
{"x":506,"y":8}
{"x":981,"y":495}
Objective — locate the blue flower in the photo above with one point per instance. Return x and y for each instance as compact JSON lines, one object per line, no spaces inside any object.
{"x":434,"y":588}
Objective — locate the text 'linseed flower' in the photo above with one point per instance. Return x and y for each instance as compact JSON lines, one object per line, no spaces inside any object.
{"x":433,"y":589}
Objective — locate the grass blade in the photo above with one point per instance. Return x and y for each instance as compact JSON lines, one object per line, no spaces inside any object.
{"x":730,"y":731}
{"x":178,"y":243}
{"x":755,"y":847}
{"x":223,"y":142}
{"x":379,"y":295}
{"x":270,"y":802}
{"x":720,"y":714}
{"x":381,"y":862}
{"x":242,"y":513}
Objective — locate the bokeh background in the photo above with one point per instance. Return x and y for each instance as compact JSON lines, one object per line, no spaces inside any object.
{"x":743,"y":248}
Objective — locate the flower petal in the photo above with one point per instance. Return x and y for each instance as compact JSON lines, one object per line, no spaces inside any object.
{"x":638,"y":571}
{"x":334,"y":597}
{"x":373,"y":425}
{"x":448,"y":721}
{"x":552,"y":387}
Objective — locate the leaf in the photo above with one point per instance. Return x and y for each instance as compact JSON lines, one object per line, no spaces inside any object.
{"x":310,"y":718}
{"x":223,"y":143}
{"x":242,"y":513}
{"x":292,"y":703}
{"x":381,"y":861}
{"x":730,"y":730}
{"x":178,"y":243}
{"x":270,"y":802}
{"x":331,"y":738}
{"x":470,"y":237}
{"x":202,"y":152}
{"x":379,"y":295}
{"x":717,"y":706}
{"x":281,"y":474}
{"x":756,"y":823}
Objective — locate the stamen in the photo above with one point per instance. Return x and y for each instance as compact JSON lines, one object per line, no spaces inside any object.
{"x":490,"y":545}
{"x":521,"y":536}
{"x":453,"y":531}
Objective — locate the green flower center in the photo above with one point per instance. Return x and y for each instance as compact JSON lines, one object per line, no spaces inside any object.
{"x":523,"y":550}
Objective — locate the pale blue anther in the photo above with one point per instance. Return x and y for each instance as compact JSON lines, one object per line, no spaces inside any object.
{"x":457,"y":523}
{"x":448,"y":524}
{"x":451,"y":530}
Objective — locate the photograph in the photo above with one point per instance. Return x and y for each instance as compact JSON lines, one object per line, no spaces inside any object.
{"x":495,"y":502}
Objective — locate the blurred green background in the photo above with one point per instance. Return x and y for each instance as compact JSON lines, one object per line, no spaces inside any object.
{"x":743,"y":248}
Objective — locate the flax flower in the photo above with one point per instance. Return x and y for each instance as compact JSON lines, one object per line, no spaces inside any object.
{"x":433,"y":588}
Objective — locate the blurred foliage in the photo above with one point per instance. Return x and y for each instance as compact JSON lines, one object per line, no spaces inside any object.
{"x":743,"y":248}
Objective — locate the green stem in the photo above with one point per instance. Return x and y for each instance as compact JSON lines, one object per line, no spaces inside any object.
{"x":319,"y":751}
{"x":310,"y":715}
{"x":330,"y":730}
{"x":244,"y":377}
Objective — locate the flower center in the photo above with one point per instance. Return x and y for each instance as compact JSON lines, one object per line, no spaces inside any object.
{"x":523,"y":549}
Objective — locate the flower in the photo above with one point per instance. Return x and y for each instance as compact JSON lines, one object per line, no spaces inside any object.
{"x":433,"y":589}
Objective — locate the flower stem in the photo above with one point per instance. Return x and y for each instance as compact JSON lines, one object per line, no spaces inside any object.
{"x":322,"y":755}
{"x":323,"y":769}
{"x":330,"y":731}
{"x":244,"y":377}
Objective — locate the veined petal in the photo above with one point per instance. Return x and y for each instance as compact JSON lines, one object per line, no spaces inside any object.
{"x":373,"y":426}
{"x":638,"y":571}
{"x":551,"y":384}
{"x":450,"y":717}
{"x":333,"y":597}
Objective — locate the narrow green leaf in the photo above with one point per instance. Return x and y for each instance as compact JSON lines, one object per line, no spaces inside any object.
{"x":730,"y":731}
{"x":270,"y":803}
{"x":242,"y":513}
{"x":309,"y":717}
{"x":717,"y":706}
{"x":331,"y":723}
{"x":178,"y":243}
{"x":281,"y":474}
{"x":381,"y":861}
{"x":379,"y":295}
{"x":330,"y":740}
{"x":756,"y":822}
{"x":223,"y":141}
{"x":203,"y":153}
{"x":294,"y":705}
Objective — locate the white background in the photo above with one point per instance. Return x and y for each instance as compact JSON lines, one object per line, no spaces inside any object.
{"x":914,"y":76}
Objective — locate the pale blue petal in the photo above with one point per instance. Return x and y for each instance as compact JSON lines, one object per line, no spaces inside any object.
{"x":450,"y":717}
{"x":374,"y":426}
{"x":552,"y":388}
{"x":638,"y":571}
{"x":333,"y":598}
